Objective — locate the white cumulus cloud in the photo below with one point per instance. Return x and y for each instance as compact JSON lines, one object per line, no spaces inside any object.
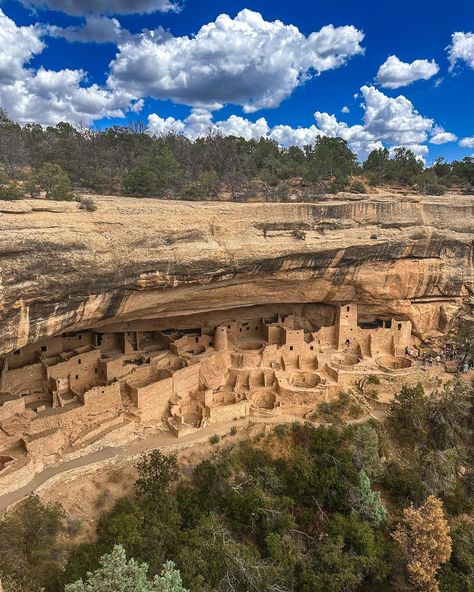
{"x":461,"y":49}
{"x":345,"y":109}
{"x":394,"y":120}
{"x":47,"y":96}
{"x":467,"y":142}
{"x":442,"y":137}
{"x":19,"y":45}
{"x":244,"y":61}
{"x":387,"y":121}
{"x":394,"y":73}
{"x":84,"y":7}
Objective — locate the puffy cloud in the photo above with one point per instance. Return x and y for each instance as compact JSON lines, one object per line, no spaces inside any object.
{"x":244,"y":60}
{"x":345,"y":109}
{"x":394,"y":73}
{"x":200,"y":123}
{"x":467,"y":142}
{"x":418,"y":149}
{"x":238,"y":126}
{"x":19,"y":45}
{"x":442,"y":137}
{"x":393,"y":120}
{"x":159,"y":126}
{"x":84,"y":7}
{"x":97,"y":29}
{"x":387,"y":121}
{"x":285,"y":135}
{"x":461,"y":49}
{"x":46,"y":96}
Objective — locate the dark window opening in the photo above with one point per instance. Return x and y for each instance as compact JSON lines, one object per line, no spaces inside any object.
{"x":79,"y":361}
{"x":348,"y":308}
{"x":291,"y":348}
{"x":399,"y":326}
{"x":77,"y":376}
{"x":17,"y":353}
{"x":197,"y":339}
{"x":79,"y":337}
{"x":311,"y":347}
{"x":95,"y":370}
{"x":44,"y":348}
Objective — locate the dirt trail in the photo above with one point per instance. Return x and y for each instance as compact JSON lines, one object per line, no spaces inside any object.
{"x":164,"y":441}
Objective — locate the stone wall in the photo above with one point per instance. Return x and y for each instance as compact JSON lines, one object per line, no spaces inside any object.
{"x":25,"y":380}
{"x":102,"y":398}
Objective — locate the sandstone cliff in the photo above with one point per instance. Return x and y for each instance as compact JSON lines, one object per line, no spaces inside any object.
{"x":62,"y":268}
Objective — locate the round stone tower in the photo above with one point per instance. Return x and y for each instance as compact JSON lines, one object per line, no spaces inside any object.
{"x":220,"y":338}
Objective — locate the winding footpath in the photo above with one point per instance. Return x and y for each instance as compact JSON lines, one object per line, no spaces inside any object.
{"x":165,"y":441}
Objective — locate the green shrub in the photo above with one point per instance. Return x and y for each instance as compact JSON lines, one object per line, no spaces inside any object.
{"x":214,"y":439}
{"x":299,"y":234}
{"x":87,"y":203}
{"x":357,"y":187}
{"x":282,"y":430}
{"x":373,"y":379}
{"x":356,"y":410}
{"x":10,"y":191}
{"x":434,"y":189}
{"x":337,"y":185}
{"x":373,"y":394}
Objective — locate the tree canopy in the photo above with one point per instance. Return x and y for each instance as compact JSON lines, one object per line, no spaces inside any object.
{"x":127,"y":160}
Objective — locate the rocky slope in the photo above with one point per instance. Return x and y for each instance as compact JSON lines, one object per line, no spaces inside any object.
{"x":62,"y":268}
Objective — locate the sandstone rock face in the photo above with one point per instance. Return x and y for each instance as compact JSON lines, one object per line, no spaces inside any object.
{"x":66,"y":269}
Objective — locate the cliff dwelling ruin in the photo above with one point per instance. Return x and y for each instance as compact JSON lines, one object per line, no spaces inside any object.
{"x":64,"y":393}
{"x":121,"y":325}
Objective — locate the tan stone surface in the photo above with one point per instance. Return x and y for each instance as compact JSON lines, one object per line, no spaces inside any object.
{"x":138,"y":258}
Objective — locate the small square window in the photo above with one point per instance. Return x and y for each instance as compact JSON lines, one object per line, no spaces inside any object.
{"x":348,"y":308}
{"x":96,"y":370}
{"x":77,"y":376}
{"x":79,"y":361}
{"x":291,"y":348}
{"x":17,"y":353}
{"x":44,"y":348}
{"x":311,"y":347}
{"x":80,"y":337}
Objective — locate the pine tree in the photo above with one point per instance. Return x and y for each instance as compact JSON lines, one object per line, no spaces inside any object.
{"x":117,"y":574}
{"x":367,"y":503}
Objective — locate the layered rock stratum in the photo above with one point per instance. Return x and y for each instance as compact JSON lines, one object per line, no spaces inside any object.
{"x":64,"y":269}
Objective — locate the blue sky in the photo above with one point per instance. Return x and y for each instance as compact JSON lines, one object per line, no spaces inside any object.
{"x":255,"y":76}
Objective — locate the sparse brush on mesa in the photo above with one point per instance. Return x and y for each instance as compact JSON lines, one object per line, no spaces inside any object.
{"x":87,"y":203}
{"x":217,"y":167}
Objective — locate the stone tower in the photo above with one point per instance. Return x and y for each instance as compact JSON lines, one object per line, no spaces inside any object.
{"x":220,"y":338}
{"x":346,"y":323}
